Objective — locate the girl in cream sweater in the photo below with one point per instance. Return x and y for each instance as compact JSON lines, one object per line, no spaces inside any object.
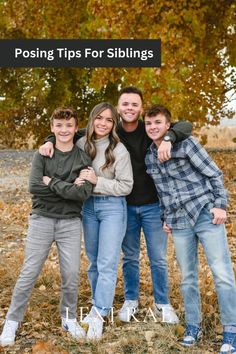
{"x":104,"y":213}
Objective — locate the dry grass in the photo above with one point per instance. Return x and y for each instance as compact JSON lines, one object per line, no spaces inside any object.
{"x":41,"y":325}
{"x":218,"y":137}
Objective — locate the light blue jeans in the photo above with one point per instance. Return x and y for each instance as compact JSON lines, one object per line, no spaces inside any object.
{"x":104,"y":224}
{"x":214,"y":242}
{"x":146,"y":217}
{"x":42,"y":232}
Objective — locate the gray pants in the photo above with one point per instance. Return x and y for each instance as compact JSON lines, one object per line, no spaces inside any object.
{"x":42,"y":232}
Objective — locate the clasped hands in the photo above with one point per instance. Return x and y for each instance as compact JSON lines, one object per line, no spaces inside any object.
{"x":86,"y":174}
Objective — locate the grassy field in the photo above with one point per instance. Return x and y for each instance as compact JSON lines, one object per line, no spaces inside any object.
{"x":41,"y":333}
{"x":218,"y":137}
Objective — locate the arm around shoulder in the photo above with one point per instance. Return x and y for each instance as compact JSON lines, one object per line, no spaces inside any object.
{"x":180,"y":131}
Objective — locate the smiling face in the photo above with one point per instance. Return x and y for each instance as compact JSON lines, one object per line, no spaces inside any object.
{"x":156,"y":127}
{"x":129,"y":107}
{"x":103,"y":123}
{"x":64,"y":130}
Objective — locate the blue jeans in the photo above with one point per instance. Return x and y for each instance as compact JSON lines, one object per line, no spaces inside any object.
{"x":214,"y":243}
{"x":104,"y":223}
{"x":146,"y":217}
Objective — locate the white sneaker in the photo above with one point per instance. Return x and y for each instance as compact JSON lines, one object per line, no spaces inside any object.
{"x":72,"y":326}
{"x":95,"y":327}
{"x":129,"y":308}
{"x":87,"y":318}
{"x":227,"y":348}
{"x":167,"y":313}
{"x":8,"y":333}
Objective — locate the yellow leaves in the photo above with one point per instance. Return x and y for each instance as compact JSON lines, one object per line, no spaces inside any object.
{"x":179,"y":330}
{"x":192,"y":36}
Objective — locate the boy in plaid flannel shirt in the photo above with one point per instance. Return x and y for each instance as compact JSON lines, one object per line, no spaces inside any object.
{"x":193,"y":207}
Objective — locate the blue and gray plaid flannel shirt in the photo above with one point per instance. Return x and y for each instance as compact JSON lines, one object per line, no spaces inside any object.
{"x":186,"y":183}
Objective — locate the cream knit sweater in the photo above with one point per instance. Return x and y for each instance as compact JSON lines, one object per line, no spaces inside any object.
{"x":116,"y":180}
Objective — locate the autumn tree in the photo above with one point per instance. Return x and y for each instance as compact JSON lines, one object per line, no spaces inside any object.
{"x":198,"y":59}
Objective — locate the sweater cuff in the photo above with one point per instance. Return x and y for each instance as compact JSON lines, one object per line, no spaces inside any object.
{"x":98,"y":186}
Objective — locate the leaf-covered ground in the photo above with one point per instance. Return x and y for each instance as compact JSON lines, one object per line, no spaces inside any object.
{"x":41,"y":333}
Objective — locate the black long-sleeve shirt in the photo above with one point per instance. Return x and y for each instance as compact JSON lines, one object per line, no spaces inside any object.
{"x":137,"y":143}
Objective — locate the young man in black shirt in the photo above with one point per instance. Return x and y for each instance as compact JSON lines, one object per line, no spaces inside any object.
{"x":143,"y":208}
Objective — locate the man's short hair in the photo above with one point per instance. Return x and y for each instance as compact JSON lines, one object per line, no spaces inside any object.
{"x":156,"y":109}
{"x":131,"y":89}
{"x":64,"y":113}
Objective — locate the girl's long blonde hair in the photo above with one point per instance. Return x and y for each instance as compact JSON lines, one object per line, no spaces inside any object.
{"x":90,"y":146}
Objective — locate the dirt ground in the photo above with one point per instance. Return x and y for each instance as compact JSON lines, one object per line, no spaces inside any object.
{"x":14,"y":174}
{"x":40,"y":332}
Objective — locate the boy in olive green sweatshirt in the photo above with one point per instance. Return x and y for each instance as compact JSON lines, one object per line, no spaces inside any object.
{"x":55,"y":217}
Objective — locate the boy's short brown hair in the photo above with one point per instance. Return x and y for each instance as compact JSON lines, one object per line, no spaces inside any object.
{"x":64,"y":113}
{"x":156,"y":109}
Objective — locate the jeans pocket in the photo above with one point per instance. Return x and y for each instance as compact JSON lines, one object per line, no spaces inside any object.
{"x":208,"y":208}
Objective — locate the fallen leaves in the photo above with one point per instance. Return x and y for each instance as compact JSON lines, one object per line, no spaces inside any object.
{"x":41,"y":330}
{"x":42,"y":288}
{"x":179,"y":330}
{"x":47,"y":348}
{"x":149,"y":335}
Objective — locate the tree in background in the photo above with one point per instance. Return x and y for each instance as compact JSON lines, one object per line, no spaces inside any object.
{"x":198,"y":59}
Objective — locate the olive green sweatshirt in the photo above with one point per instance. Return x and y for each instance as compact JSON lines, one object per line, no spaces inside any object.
{"x":61,"y":199}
